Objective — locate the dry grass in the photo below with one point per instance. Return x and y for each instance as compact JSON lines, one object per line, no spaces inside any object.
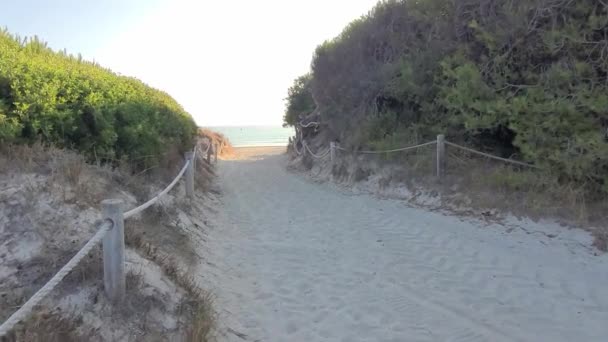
{"x":72,"y":168}
{"x":601,"y":239}
{"x":202,"y":320}
{"x":197,"y":306}
{"x":90,"y":183}
{"x":67,"y":172}
{"x":526,"y":192}
{"x":45,"y":325}
{"x":198,"y":316}
{"x":169,"y":165}
{"x":43,"y":159}
{"x":137,"y":180}
{"x":225,"y":147}
{"x":204,"y":173}
{"x":34,"y":273}
{"x":136,"y":305}
{"x":159,"y":228}
{"x":400,"y":168}
{"x":26,"y":158}
{"x":78,"y":182}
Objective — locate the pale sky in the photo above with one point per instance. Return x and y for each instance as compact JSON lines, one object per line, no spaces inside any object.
{"x":226,"y":62}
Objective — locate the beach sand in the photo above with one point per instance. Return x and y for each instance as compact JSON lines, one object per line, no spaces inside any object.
{"x":293,"y":260}
{"x":243,"y":153}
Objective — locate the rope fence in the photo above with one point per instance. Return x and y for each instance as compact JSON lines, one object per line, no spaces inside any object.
{"x":391,"y":151}
{"x":441,"y":144}
{"x":295,"y":147}
{"x":208,"y":148}
{"x":155,"y":199}
{"x":26,"y":308}
{"x":515,"y":162}
{"x":111,"y":231}
{"x":313,"y":123}
{"x":318,"y":156}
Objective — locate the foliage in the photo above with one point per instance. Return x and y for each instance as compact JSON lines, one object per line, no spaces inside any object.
{"x":524,"y":78}
{"x":60,"y":99}
{"x":299,"y":100}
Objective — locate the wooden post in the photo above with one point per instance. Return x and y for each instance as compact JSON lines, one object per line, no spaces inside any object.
{"x":332,"y":151}
{"x":190,"y":175}
{"x":114,"y":251}
{"x":194,"y":154}
{"x":440,"y":156}
{"x":209,"y":154}
{"x":215,"y":149}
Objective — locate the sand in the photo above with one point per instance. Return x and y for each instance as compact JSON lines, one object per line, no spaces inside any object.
{"x":294,"y":260}
{"x":243,"y":153}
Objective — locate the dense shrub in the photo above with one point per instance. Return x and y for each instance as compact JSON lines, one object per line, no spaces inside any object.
{"x":519,"y":78}
{"x":299,"y":100}
{"x":63,"y":100}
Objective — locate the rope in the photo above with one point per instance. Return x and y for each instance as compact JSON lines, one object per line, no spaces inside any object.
{"x":390,"y":151}
{"x":309,"y":124}
{"x":155,"y":199}
{"x":295,"y":147}
{"x":205,"y":151}
{"x":322,"y":155}
{"x":208,"y":148}
{"x":26,"y":308}
{"x":491,"y":156}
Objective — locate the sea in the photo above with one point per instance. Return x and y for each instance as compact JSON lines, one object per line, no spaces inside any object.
{"x":247,"y":136}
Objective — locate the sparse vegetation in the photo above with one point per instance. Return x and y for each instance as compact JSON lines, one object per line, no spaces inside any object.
{"x":197,"y":306}
{"x":50,"y":198}
{"x":48,"y":326}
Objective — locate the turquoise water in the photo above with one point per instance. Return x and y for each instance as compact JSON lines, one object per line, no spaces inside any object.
{"x":256,"y":135}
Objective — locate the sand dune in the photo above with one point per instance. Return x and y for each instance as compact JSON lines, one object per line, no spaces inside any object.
{"x":292,"y":260}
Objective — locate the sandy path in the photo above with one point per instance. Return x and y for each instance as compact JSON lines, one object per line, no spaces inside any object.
{"x":297,"y":261}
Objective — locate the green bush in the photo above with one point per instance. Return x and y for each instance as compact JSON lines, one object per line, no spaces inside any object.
{"x":524,"y":78}
{"x":299,"y":100}
{"x":63,"y":100}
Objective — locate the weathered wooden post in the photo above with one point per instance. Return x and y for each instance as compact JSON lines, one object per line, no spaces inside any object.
{"x":190,"y":175}
{"x":332,"y":151}
{"x":209,"y":154}
{"x":114,"y":251}
{"x":440,"y":156}
{"x":215,"y":151}
{"x":194,"y":155}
